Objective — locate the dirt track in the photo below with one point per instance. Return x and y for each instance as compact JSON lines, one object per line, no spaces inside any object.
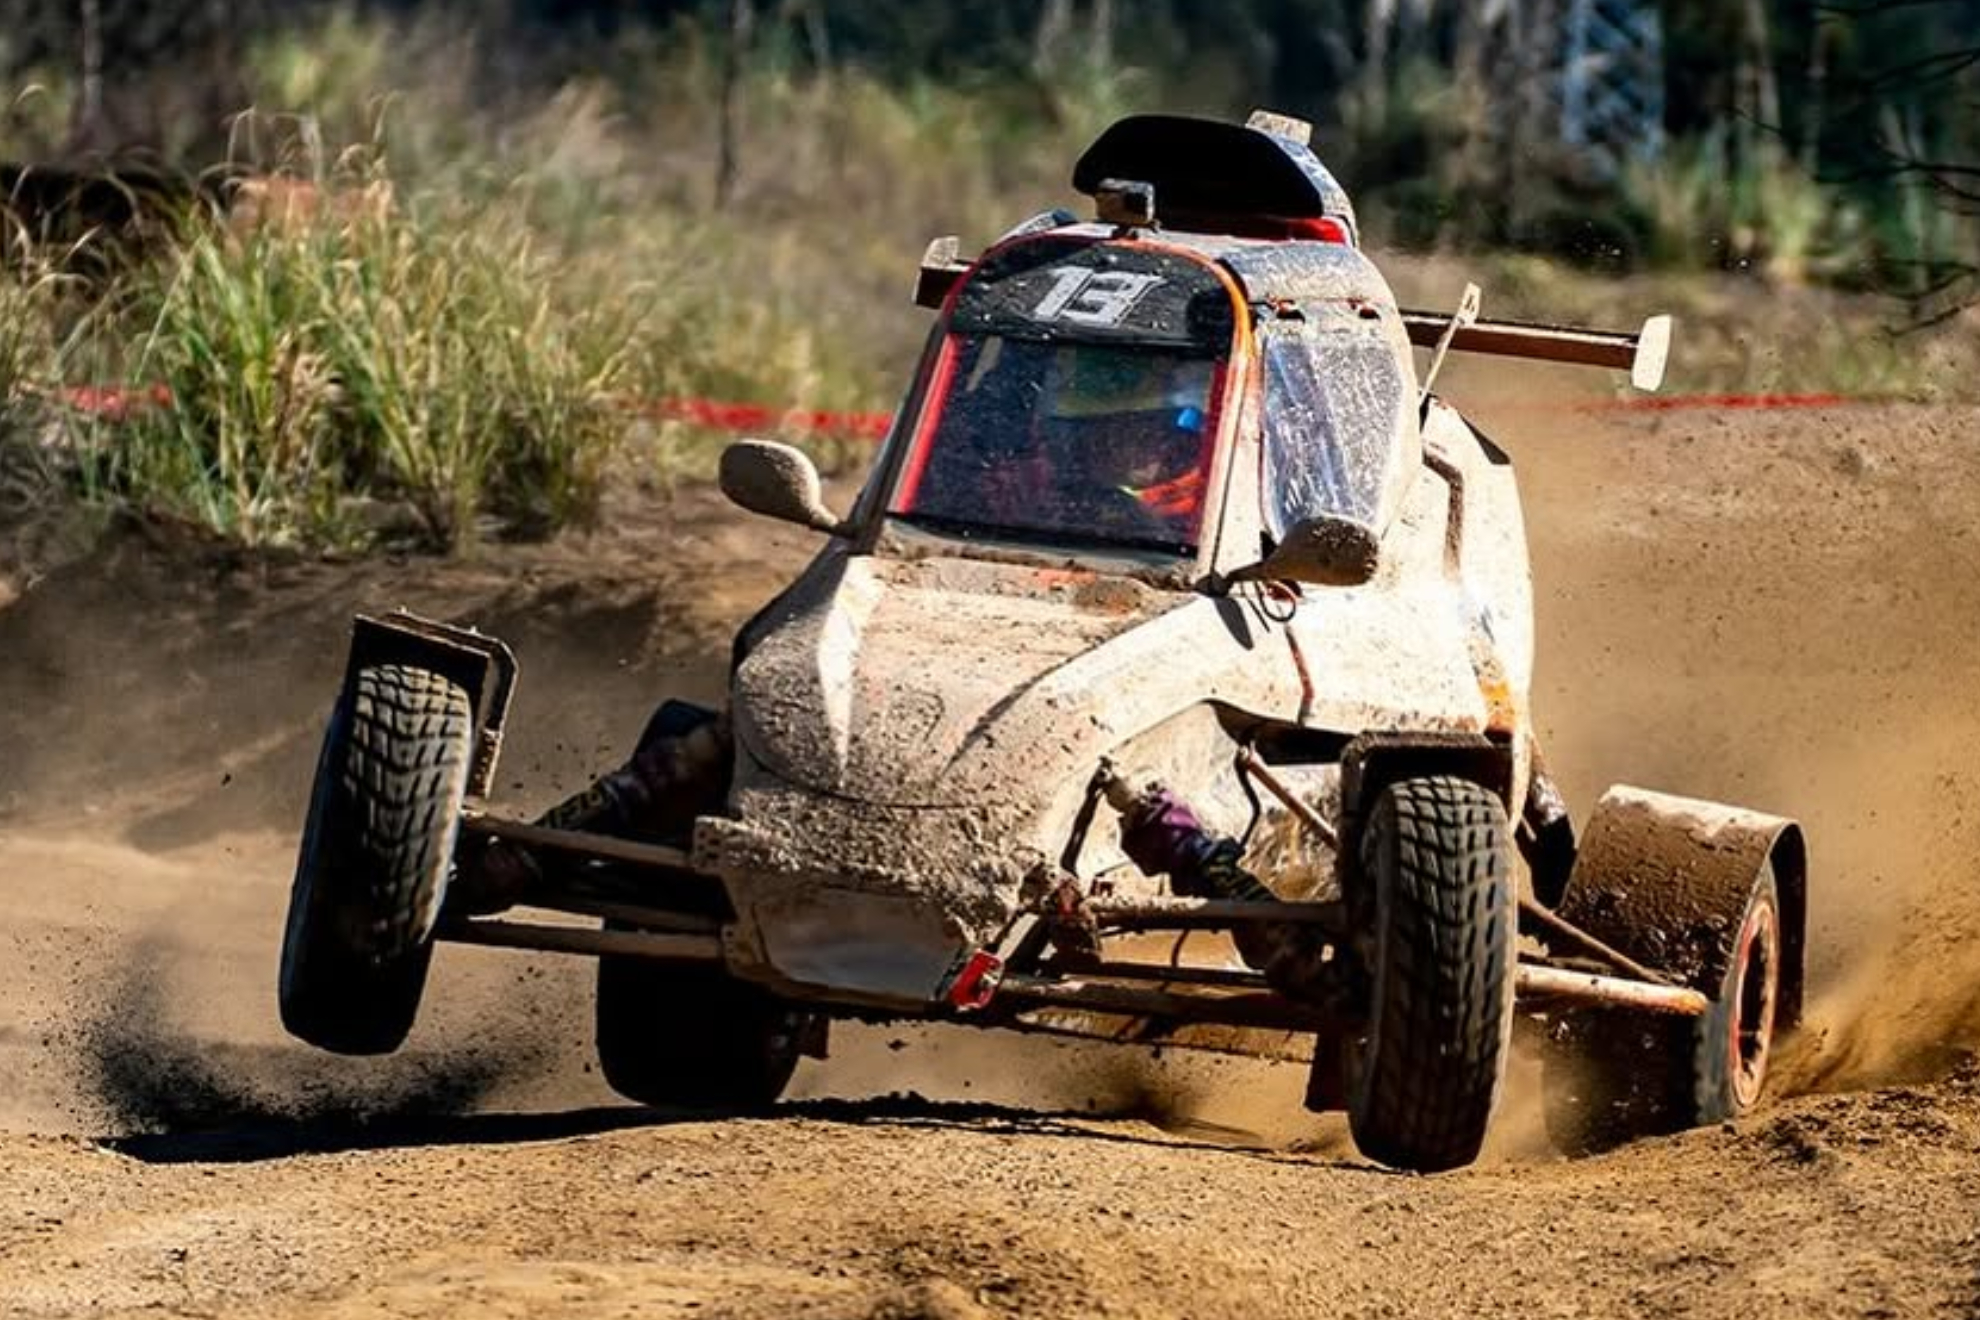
{"x":1773,"y":609}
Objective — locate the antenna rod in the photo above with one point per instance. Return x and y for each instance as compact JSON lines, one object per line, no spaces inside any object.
{"x":1467,"y":314}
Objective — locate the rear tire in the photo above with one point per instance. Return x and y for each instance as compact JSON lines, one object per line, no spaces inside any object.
{"x":1613,"y":1077}
{"x":375,"y":857}
{"x":689,"y":1036}
{"x":1423,"y":1076}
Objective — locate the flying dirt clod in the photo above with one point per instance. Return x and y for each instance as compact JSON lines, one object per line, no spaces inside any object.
{"x":1170,"y":530}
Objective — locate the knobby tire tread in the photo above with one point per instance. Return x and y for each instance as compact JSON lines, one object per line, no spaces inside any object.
{"x":1442,"y":1002}
{"x":403,"y":778}
{"x":375,"y":859}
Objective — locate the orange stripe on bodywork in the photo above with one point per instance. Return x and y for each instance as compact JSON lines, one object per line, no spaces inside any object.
{"x":1500,"y":717}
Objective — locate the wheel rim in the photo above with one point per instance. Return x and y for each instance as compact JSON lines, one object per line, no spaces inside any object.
{"x":1755,"y":991}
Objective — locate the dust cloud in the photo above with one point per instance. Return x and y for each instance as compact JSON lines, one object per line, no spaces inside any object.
{"x":1778,"y":610}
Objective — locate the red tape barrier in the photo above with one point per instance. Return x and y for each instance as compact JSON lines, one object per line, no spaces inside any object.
{"x":1693,"y":402}
{"x":762,"y":417}
{"x":115,"y":404}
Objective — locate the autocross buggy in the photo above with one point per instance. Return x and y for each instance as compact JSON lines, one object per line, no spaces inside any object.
{"x":1168,"y":682}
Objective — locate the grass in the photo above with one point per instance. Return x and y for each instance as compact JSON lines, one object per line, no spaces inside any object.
{"x":26,"y":347}
{"x":1698,"y":210}
{"x":408,"y":374}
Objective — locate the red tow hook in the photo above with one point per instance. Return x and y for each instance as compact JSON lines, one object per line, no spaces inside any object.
{"x":975,"y":982}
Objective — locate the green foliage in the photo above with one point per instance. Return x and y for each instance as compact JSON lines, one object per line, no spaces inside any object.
{"x":1700,"y":210}
{"x":34,"y":343}
{"x":396,"y":373}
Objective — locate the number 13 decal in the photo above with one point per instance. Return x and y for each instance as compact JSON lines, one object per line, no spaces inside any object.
{"x":1092,"y":297}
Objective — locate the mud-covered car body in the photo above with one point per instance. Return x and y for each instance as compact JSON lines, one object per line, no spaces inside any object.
{"x":918,"y":719}
{"x":1326,"y":594}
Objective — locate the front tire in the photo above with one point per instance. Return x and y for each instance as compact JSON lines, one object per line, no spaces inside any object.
{"x":690,"y":1036}
{"x":1423,"y":1075}
{"x":375,"y":857}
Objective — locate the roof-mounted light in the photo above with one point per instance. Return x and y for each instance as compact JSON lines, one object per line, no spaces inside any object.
{"x":1128,"y":203}
{"x":941,"y":267}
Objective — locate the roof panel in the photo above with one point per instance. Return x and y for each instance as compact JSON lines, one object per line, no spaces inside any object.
{"x":1070,"y":286}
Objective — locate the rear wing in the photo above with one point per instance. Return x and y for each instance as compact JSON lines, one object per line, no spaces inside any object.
{"x":1643,"y":354}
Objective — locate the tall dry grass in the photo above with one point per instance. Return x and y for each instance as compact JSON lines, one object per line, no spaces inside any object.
{"x":417,"y":372}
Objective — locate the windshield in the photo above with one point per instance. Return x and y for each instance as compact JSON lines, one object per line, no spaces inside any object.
{"x":1336,"y":415}
{"x":1064,"y":443}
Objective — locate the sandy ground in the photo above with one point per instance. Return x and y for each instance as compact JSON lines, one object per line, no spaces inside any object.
{"x":1774,"y":609}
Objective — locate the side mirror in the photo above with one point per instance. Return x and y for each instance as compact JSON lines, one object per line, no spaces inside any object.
{"x":776,"y":481}
{"x":1328,"y":551}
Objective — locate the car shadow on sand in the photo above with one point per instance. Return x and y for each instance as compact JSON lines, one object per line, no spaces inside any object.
{"x":257,"y":1139}
{"x":1133,"y":1124}
{"x":250,"y":1134}
{"x":169,"y":1094}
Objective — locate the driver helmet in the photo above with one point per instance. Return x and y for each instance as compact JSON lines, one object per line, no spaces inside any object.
{"x":1137,"y":417}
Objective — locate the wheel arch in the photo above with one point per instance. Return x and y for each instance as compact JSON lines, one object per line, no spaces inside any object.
{"x":1666,"y":879}
{"x":482,"y":666}
{"x":1372,"y":761}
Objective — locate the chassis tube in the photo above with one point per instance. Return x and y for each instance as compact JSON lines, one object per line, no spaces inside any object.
{"x":1588,"y":988}
{"x":574,"y":841}
{"x":1173,"y":974}
{"x":593,"y":943}
{"x":1565,"y":930}
{"x":1022,"y":993}
{"x":639,"y":915}
{"x":1211,"y":913}
{"x":1252,"y":764}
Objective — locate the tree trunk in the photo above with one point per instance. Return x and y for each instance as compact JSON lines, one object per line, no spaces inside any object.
{"x":1054,"y":22}
{"x":1468,"y":45}
{"x":1381,"y":22}
{"x":817,"y":35}
{"x":1536,"y":30}
{"x":1812,"y":116}
{"x":1048,"y":43}
{"x":89,"y":105}
{"x":1483,"y":100}
{"x":1759,"y":106}
{"x":742,"y":18}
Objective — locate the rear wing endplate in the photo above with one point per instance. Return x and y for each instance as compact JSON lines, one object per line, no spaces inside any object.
{"x":1643,"y":354}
